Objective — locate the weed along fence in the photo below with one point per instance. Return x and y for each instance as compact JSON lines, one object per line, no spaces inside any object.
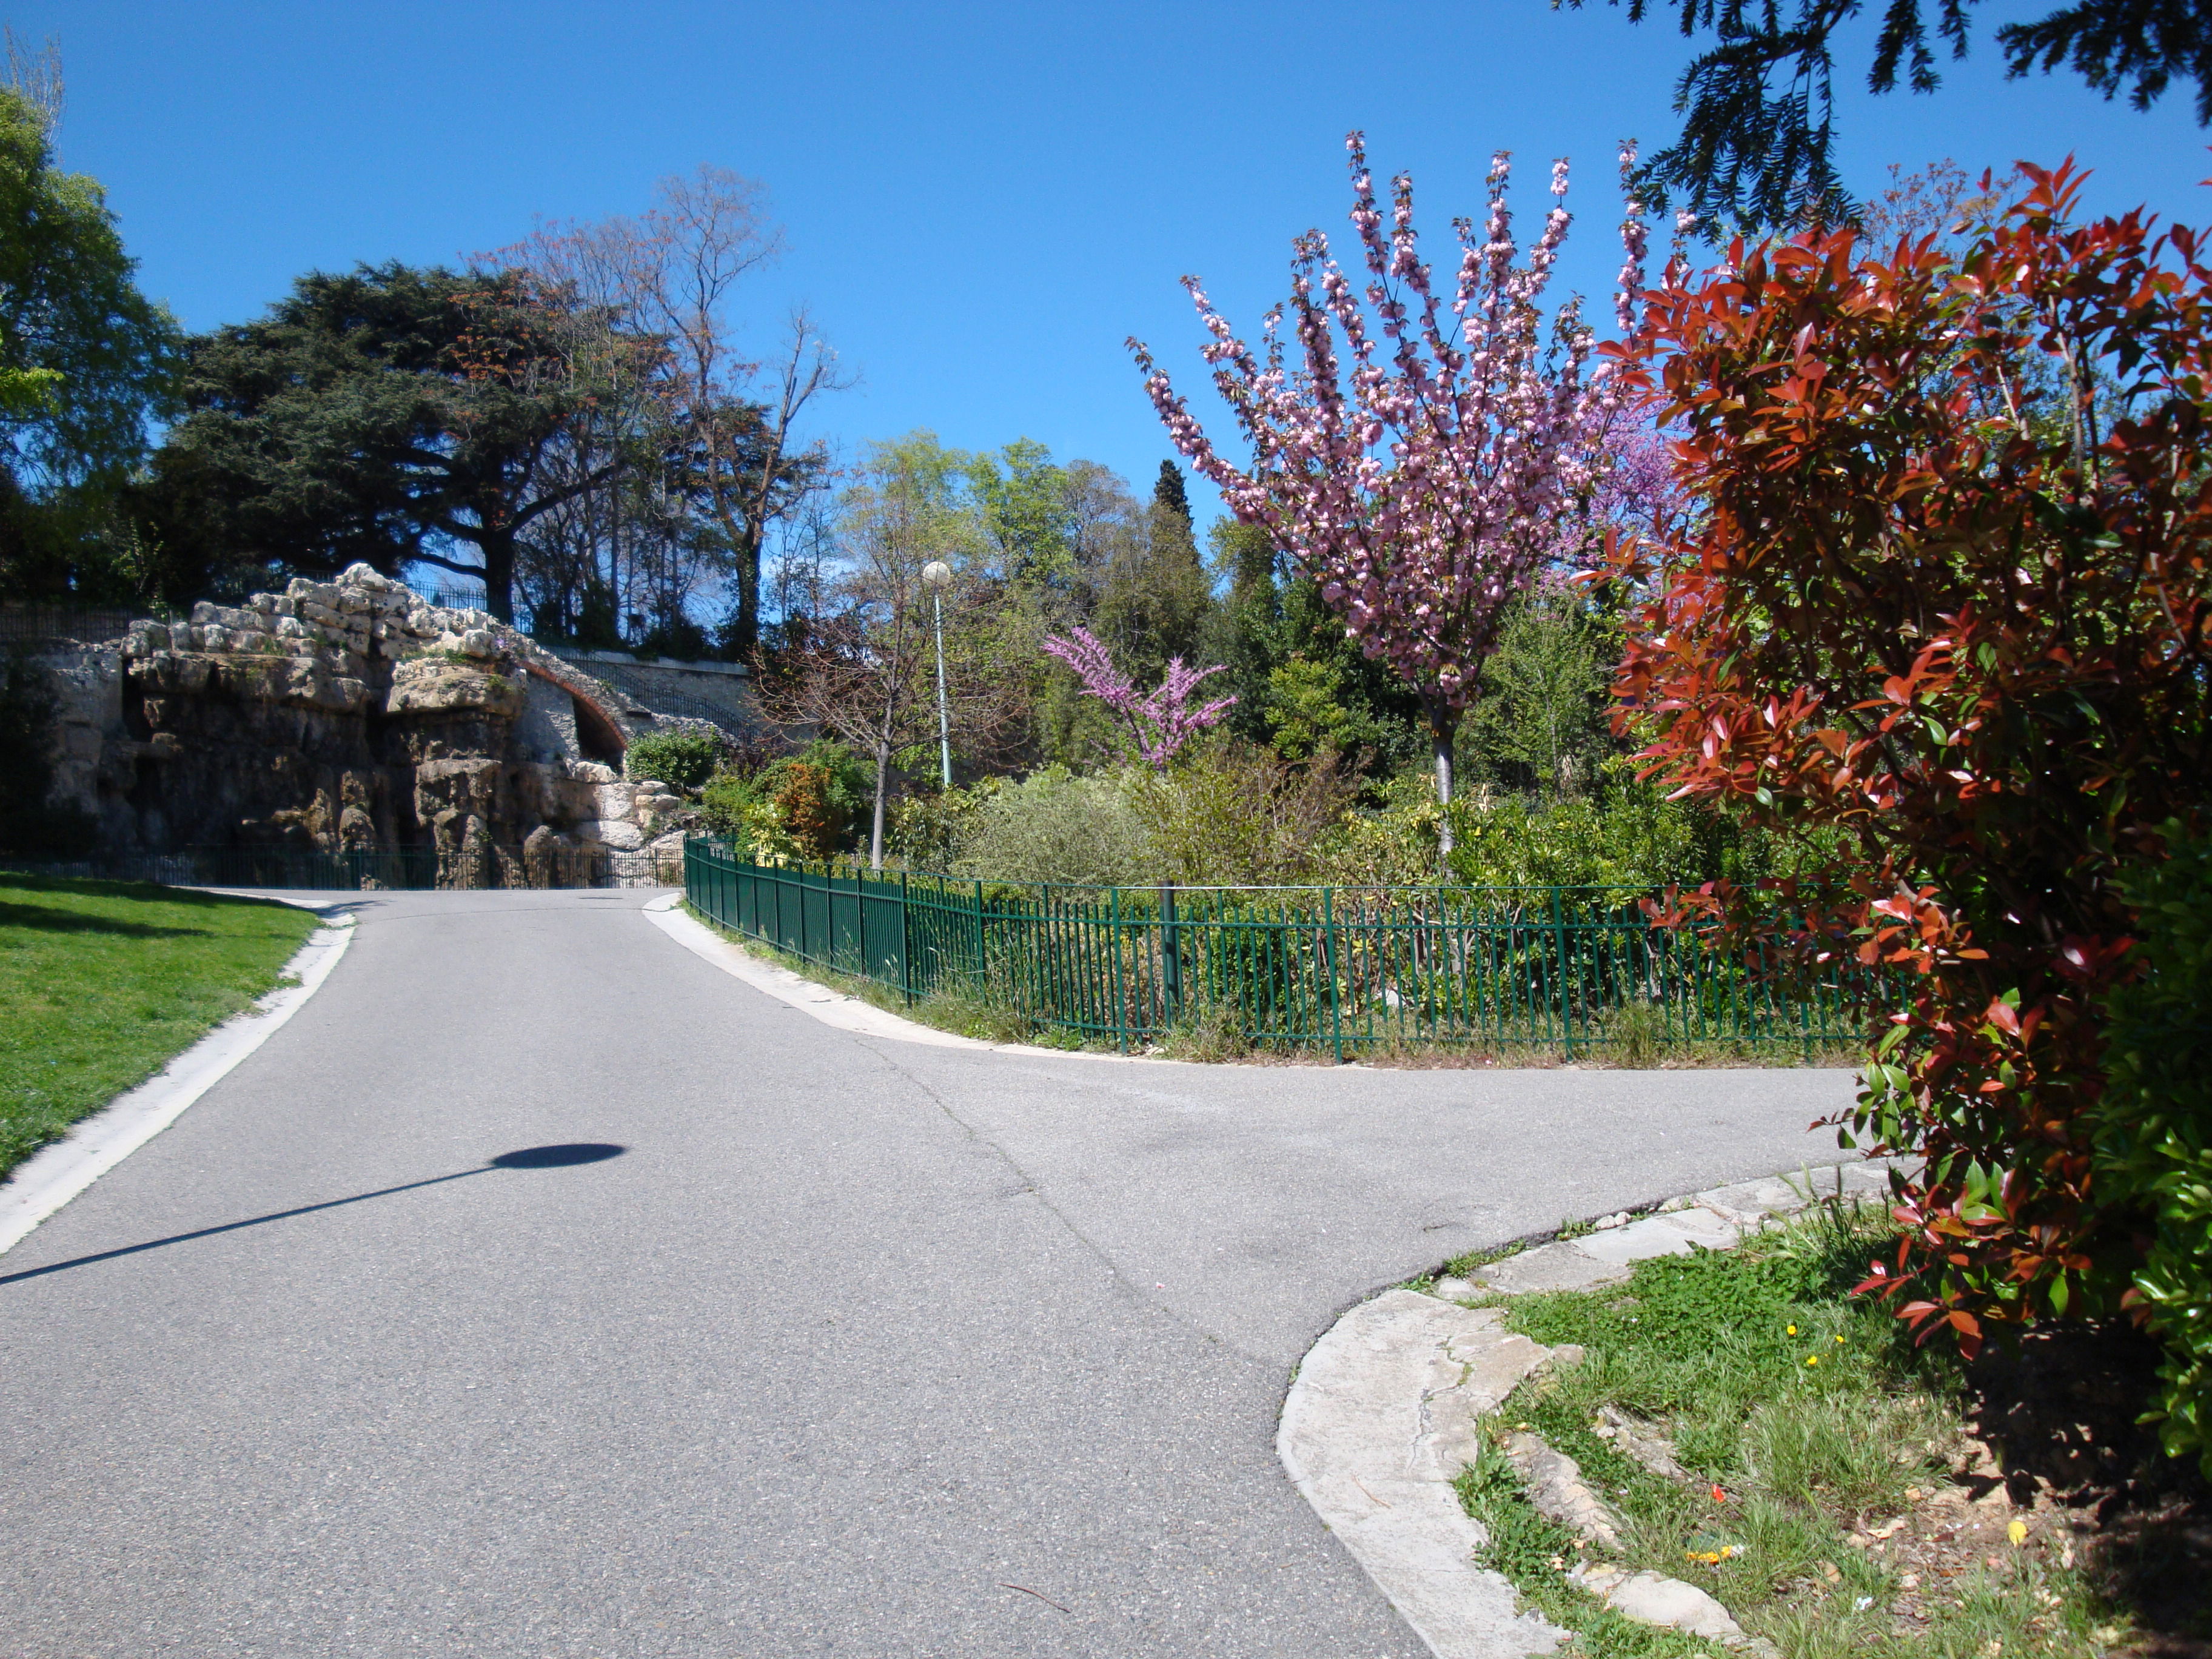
{"x":1569,"y":970}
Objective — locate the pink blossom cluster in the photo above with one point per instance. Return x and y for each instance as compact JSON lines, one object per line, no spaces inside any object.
{"x":1421,"y":451}
{"x":1636,"y":494}
{"x":1159,"y":722}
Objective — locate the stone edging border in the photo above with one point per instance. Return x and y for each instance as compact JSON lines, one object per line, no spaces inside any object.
{"x":1384,"y":1411}
{"x":51,"y":1177}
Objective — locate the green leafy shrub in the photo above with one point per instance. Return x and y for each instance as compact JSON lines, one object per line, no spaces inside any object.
{"x":1390,"y":843}
{"x":1233,"y":814}
{"x":806,"y":809}
{"x":685,"y":757}
{"x":734,"y":804}
{"x":2152,"y":1131}
{"x":1627,"y":837}
{"x":801,"y":806}
{"x":1624,"y":837}
{"x":849,"y":781}
{"x":927,"y":831}
{"x":1056,"y":827}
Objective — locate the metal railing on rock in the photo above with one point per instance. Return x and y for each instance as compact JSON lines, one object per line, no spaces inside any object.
{"x":1351,"y":970}
{"x":57,"y":624}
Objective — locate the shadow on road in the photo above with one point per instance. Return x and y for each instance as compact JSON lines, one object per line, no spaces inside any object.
{"x":529,"y":1157}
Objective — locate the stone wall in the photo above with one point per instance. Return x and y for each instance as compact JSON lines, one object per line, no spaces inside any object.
{"x":720,"y":693}
{"x":350,"y":715}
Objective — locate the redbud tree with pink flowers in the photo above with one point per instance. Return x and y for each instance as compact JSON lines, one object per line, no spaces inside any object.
{"x":1417,"y":452}
{"x":1158,"y":722}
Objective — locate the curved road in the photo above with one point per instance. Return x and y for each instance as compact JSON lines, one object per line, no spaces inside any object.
{"x":859,"y":1347}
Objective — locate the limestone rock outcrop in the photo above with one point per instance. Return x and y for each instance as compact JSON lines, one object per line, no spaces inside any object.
{"x":353,"y":715}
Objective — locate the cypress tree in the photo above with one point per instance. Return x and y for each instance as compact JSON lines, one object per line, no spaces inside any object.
{"x":1169,"y":493}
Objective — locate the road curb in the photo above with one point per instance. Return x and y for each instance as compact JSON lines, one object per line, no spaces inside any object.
{"x":1383,"y":1413}
{"x":835,"y":1008}
{"x":49,"y":1178}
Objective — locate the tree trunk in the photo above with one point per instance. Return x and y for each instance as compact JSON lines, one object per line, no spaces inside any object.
{"x":883,"y":780}
{"x":497,"y":546}
{"x":1442,"y":729}
{"x":744,"y":627}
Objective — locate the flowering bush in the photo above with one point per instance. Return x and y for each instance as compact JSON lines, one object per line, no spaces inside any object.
{"x":1948,"y":604}
{"x":1158,"y":722}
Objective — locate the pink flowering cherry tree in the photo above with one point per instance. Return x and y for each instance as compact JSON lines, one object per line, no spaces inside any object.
{"x":1418,"y":452}
{"x":1159,"y":722}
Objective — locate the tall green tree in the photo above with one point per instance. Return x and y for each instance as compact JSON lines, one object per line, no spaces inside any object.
{"x":866,"y":673}
{"x":1539,"y":725}
{"x":1171,"y":493}
{"x":1156,"y":599}
{"x":1023,"y":496}
{"x":1758,"y":145}
{"x":86,"y":361}
{"x":1301,"y":684}
{"x":391,"y":413}
{"x":736,"y":467}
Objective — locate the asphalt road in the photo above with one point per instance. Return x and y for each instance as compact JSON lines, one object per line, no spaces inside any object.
{"x":858,"y":1348}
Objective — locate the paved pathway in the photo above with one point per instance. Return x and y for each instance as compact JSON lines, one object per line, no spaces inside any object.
{"x":861,"y":1347}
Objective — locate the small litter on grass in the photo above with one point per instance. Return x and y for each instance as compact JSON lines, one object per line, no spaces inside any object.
{"x":1712,"y":1550}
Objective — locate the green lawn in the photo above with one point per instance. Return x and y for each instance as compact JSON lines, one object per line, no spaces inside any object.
{"x":101,"y":982}
{"x":1829,"y":1491}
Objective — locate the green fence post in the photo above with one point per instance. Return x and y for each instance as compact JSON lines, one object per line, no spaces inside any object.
{"x":1113,"y":943}
{"x":978,"y":986}
{"x":1335,"y":1012}
{"x":1559,"y":952}
{"x":906,"y":943}
{"x":1171,"y":964}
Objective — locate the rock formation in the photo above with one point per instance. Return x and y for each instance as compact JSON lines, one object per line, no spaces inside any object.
{"x":354,"y":715}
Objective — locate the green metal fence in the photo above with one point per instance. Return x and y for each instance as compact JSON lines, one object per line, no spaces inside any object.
{"x":1566,"y":970}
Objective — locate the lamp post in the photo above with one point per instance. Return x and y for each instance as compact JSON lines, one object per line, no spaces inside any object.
{"x":937,"y":575}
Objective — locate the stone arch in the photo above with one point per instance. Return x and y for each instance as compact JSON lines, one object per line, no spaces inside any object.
{"x":601,"y":730}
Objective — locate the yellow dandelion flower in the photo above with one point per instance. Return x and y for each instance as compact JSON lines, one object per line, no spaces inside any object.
{"x":1792,"y":1330}
{"x":1812,"y":1359}
{"x":2018,"y":1532}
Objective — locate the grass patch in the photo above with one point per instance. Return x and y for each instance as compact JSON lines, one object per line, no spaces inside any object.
{"x":102,"y":982}
{"x":1822,"y":1462}
{"x":962,"y":1012}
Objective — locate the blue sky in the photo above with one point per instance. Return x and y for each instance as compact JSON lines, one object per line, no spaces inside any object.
{"x":981,"y":201}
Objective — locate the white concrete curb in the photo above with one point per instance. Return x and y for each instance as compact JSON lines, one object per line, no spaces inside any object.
{"x":1380,"y":1421}
{"x":835,"y":1008}
{"x":1382,"y":1416}
{"x":46,"y":1182}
